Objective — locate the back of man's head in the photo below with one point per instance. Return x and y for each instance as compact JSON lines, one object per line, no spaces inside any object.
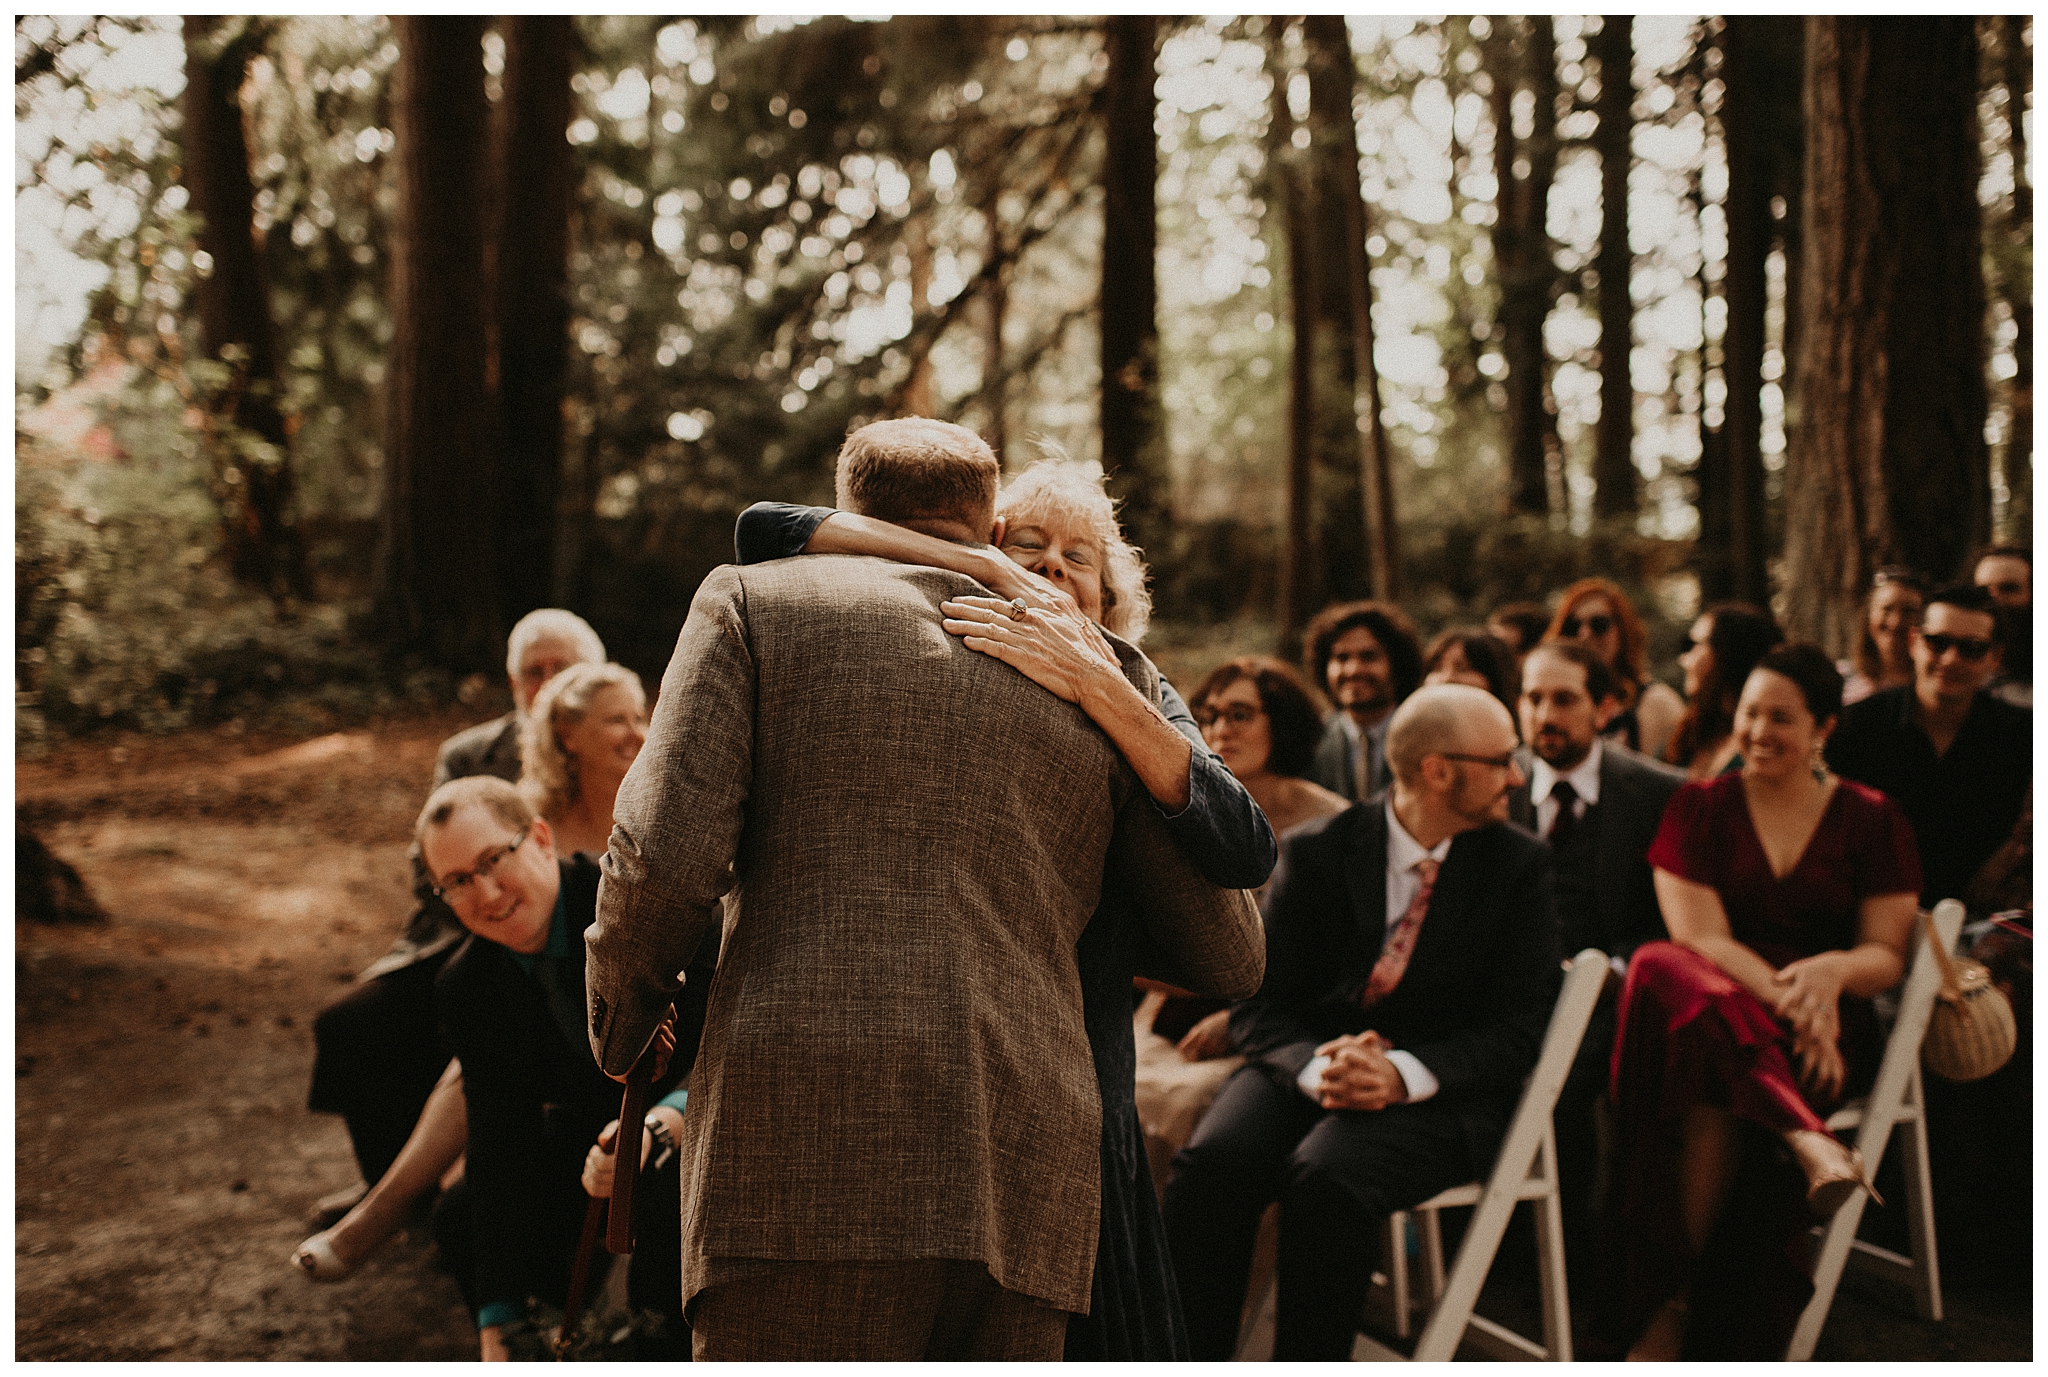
{"x":1437,"y":718}
{"x":930,"y":475}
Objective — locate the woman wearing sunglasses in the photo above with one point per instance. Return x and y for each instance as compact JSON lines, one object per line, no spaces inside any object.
{"x":1599,"y":616}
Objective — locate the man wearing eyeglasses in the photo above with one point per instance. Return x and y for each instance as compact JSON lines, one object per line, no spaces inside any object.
{"x":1411,"y":965}
{"x":1954,"y":757}
{"x":2006,"y":572}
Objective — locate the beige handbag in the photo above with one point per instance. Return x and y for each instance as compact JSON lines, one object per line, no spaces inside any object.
{"x":1971,"y":1033}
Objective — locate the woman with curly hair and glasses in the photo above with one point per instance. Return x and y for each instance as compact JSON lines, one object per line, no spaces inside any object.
{"x":1599,"y":616}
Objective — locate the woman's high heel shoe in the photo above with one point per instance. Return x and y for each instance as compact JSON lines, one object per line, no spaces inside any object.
{"x":1834,"y":1173}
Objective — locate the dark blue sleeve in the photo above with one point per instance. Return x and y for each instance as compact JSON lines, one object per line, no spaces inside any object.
{"x":1221,"y":830}
{"x":775,"y":530}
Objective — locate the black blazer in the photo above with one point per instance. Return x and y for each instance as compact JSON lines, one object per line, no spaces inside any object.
{"x":536,"y":1097}
{"x":1477,"y":994}
{"x":1633,"y":793}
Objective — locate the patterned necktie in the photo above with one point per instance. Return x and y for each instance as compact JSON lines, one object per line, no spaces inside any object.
{"x":1393,"y":962}
{"x":1565,"y":797}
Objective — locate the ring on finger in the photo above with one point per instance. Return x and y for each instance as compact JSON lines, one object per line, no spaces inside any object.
{"x":1018,"y":609}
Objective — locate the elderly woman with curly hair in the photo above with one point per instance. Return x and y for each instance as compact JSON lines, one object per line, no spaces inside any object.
{"x":584,"y":732}
{"x":1065,"y":575}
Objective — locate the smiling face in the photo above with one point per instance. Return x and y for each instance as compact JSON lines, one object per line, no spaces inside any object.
{"x":514,"y":904}
{"x":1063,"y":552}
{"x":1948,"y":674}
{"x":608,"y":739}
{"x":1774,"y":728}
{"x":1360,"y":676}
{"x":1894,"y":611}
{"x":1235,"y":725}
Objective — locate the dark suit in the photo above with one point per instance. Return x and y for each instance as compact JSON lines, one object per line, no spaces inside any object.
{"x":1471,"y":1007}
{"x":1607,"y":899}
{"x":536,"y":1103}
{"x":1335,"y":765}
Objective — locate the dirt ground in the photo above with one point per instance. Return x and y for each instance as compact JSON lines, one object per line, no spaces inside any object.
{"x":164,"y":1157}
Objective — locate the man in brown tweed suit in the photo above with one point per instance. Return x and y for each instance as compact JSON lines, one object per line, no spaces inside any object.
{"x":891,"y":1145}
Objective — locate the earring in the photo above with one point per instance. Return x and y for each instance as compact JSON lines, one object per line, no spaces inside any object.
{"x":1819,"y":764}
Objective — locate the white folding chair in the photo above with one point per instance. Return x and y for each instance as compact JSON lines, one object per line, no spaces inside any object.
{"x":1526,"y":1169}
{"x":1894,"y":1099}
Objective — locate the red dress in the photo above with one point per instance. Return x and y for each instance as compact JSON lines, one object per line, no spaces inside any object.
{"x":1691,"y":1035}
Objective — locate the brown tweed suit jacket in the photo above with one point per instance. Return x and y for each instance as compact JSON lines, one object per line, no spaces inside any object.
{"x":914,"y":835}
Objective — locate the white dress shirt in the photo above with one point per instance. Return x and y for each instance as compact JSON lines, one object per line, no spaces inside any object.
{"x":1403,"y":851}
{"x":1584,"y":778}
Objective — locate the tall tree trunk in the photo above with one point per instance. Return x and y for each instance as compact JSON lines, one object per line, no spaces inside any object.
{"x":531,"y":294}
{"x":1300,"y":590}
{"x":1521,"y":247}
{"x":1614,"y":469}
{"x":436,"y":568}
{"x":1751,"y":142}
{"x":1890,"y":460}
{"x":1359,"y":547}
{"x":1132,"y":445}
{"x":263,"y":545}
{"x":995,"y":305}
{"x":2019,"y":286}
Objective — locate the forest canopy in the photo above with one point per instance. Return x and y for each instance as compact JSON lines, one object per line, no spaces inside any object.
{"x":340,"y":342}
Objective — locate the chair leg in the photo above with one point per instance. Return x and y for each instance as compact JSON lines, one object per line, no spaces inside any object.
{"x":1432,"y":1255}
{"x":1557,"y":1309}
{"x":1397,"y":1271}
{"x":1920,"y":1204}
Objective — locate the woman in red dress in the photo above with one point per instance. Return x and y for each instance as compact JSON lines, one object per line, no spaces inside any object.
{"x":1790,"y":897}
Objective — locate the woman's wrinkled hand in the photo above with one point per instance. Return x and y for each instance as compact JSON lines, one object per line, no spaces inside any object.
{"x":1208,"y":1039}
{"x":1008,"y":579}
{"x":1058,"y":651}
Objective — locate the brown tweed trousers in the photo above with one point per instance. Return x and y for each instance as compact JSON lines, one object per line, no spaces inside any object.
{"x":914,"y":835}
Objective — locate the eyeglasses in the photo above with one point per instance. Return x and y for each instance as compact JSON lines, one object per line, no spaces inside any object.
{"x":1971,"y":648}
{"x":1598,"y":625}
{"x":1237,"y":715}
{"x":462,"y":883}
{"x":1498,"y":762}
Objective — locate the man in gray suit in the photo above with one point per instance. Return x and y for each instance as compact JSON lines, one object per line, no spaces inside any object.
{"x":1598,"y":805}
{"x":891,"y":1145}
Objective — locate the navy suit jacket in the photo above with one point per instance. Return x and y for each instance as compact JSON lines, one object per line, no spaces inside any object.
{"x":1477,"y":994}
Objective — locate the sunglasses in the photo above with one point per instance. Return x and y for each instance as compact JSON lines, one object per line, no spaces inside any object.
{"x":1971,"y":648}
{"x":1237,"y":715}
{"x":1598,"y":625}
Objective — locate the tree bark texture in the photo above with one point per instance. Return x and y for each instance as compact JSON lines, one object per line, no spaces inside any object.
{"x":262,"y":544}
{"x":1760,"y":125}
{"x":1523,"y":54}
{"x":1889,"y":463}
{"x":1360,"y":551}
{"x":1614,"y":468}
{"x":1299,"y":581}
{"x":1133,"y":452}
{"x":436,"y":569}
{"x":530,"y":291}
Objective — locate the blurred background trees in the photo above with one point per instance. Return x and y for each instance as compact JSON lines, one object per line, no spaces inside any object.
{"x":343,"y":341}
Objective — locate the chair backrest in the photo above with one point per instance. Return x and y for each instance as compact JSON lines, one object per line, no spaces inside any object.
{"x":1916,"y":1007}
{"x":1568,"y":1020}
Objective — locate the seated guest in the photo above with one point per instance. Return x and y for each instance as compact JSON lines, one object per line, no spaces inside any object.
{"x":1959,"y":763}
{"x":376,"y":1058}
{"x":1256,"y":714}
{"x":1598,"y":806}
{"x":1596,"y":613}
{"x":1411,"y":966}
{"x":1790,"y":898}
{"x":1957,"y":760}
{"x":1725,"y":644}
{"x":1366,"y":657}
{"x":1884,"y":657}
{"x":1467,"y":655}
{"x":2006,"y":572}
{"x":1518,"y":626}
{"x":584,"y":733}
{"x":511,"y":1006}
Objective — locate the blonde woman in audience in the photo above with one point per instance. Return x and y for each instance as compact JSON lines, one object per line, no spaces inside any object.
{"x":585,"y":731}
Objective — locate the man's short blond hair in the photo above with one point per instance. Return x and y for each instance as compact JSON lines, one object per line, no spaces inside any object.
{"x":1432,"y":720}
{"x":495,"y":796}
{"x":915,"y":469}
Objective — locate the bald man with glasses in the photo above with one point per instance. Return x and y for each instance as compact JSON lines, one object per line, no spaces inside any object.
{"x":1411,"y":962}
